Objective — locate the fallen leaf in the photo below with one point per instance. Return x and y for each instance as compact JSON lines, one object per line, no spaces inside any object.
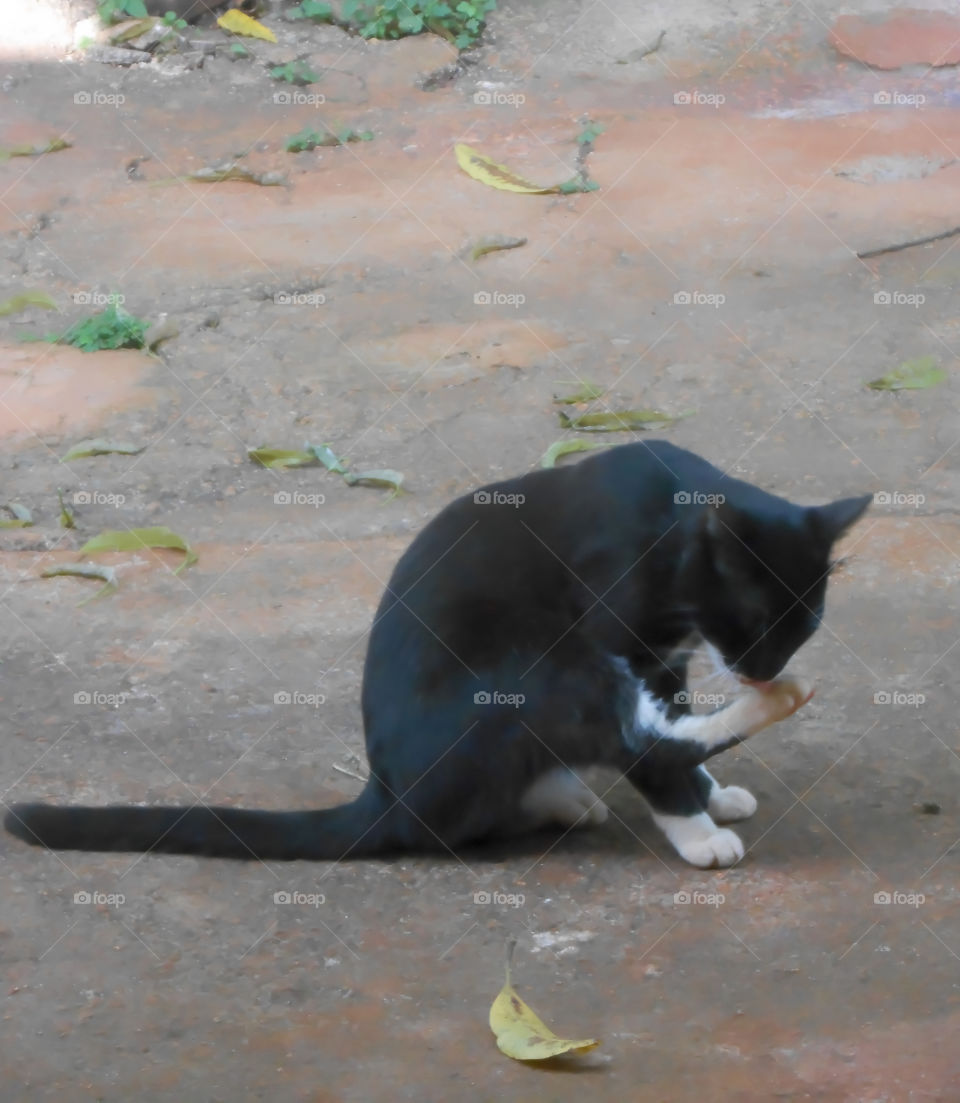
{"x":385,"y":477}
{"x":124,"y":32}
{"x":326,"y":455}
{"x":494,"y":244}
{"x":912,"y":375}
{"x":53,"y":146}
{"x":521,"y":1034}
{"x":86,"y":570}
{"x":22,"y":517}
{"x":281,"y":457}
{"x":238,"y":22}
{"x":66,"y":517}
{"x":488,"y":172}
{"x":232,"y":171}
{"x":134,"y":539}
{"x":25,"y":299}
{"x":618,"y":421}
{"x":99,"y":447}
{"x":587,"y":393}
{"x":564,"y":447}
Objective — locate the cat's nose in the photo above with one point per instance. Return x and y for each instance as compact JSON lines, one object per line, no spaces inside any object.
{"x":755,"y":684}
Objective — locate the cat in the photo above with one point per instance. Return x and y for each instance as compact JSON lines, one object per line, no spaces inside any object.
{"x":537,"y":626}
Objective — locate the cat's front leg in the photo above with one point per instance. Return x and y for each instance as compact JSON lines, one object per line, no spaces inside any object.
{"x":679,"y":800}
{"x":755,"y":710}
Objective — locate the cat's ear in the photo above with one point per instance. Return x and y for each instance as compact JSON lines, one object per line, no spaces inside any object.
{"x":831,"y":521}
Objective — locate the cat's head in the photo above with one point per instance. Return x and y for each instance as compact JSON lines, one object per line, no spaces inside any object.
{"x":760,"y":579}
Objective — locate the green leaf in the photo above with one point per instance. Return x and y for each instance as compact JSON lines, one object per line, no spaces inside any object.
{"x":575,"y":185}
{"x":618,"y":421}
{"x":330,"y":460}
{"x":281,"y":457}
{"x":86,"y":570}
{"x":590,"y":133}
{"x":99,"y":447}
{"x":22,"y":517}
{"x":66,"y":517}
{"x":564,"y":447}
{"x":136,"y":8}
{"x":587,"y":393}
{"x":135,"y":539}
{"x":21,"y":513}
{"x":384,"y":477}
{"x":25,"y":299}
{"x":53,"y":146}
{"x":313,"y":9}
{"x":494,"y":243}
{"x":912,"y":375}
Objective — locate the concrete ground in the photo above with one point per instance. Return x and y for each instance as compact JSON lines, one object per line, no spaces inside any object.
{"x":743,"y":166}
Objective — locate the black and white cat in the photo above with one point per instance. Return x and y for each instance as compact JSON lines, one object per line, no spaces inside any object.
{"x":534,"y":627}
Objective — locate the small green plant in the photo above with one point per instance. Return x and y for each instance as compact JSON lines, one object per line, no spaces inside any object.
{"x":237,"y":49}
{"x":110,"y":11}
{"x":171,"y":19}
{"x":590,"y":133}
{"x":461,"y":24}
{"x":112,"y":328}
{"x":294,"y":72}
{"x":307,"y":139}
{"x":317,"y":10}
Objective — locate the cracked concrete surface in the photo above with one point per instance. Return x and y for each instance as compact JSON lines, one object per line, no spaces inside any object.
{"x":714,"y":270}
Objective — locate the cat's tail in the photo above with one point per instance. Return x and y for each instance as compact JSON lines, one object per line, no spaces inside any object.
{"x":356,"y":830}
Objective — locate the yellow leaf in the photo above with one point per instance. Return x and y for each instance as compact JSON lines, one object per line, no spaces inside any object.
{"x":237,"y":22}
{"x":496,"y":176}
{"x":521,"y":1034}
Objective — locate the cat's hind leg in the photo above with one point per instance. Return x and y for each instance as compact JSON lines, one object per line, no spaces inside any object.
{"x":560,"y":796}
{"x":728,"y":803}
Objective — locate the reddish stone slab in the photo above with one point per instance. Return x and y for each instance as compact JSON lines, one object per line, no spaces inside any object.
{"x":905,"y":37}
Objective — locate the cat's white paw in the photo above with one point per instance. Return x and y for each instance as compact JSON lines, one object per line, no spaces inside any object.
{"x":699,"y":841}
{"x":731,"y":803}
{"x":560,"y":796}
{"x":722,"y":848}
